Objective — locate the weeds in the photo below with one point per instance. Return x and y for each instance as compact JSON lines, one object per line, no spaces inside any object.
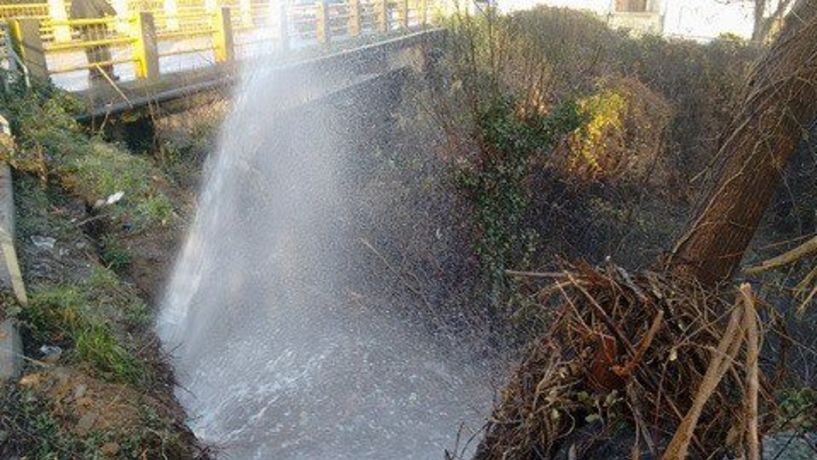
{"x":64,"y":315}
{"x":105,"y":288}
{"x":113,"y":254}
{"x":54,"y":147}
{"x":44,"y":428}
{"x":32,"y":419}
{"x":798,"y":409}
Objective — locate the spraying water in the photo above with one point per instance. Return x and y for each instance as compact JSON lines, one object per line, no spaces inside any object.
{"x":277,"y":357}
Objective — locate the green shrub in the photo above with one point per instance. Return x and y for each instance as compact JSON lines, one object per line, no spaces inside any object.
{"x":497,"y":182}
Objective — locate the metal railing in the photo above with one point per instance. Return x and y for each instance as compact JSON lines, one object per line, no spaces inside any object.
{"x":24,"y":10}
{"x":97,"y":38}
{"x":51,"y":46}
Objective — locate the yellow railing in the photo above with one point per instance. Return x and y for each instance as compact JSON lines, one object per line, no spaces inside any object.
{"x":22,"y":10}
{"x":29,"y":10}
{"x":188,"y":27}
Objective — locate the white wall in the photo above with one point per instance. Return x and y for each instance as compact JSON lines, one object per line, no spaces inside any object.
{"x":696,"y":19}
{"x":706,"y":19}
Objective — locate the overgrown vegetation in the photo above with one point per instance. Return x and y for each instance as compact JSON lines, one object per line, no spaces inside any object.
{"x":52,"y":146}
{"x":97,"y":384}
{"x":580,"y":146}
{"x":496,"y":181}
{"x":615,"y":182}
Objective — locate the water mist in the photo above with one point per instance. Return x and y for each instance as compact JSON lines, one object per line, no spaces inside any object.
{"x":275,"y":357}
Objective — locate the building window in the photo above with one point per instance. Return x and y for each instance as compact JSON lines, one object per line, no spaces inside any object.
{"x":631,"y":6}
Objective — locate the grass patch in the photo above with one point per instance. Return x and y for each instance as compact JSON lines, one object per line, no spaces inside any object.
{"x":105,"y":288}
{"x":54,"y":147}
{"x":114,"y":254}
{"x":35,"y":216}
{"x":66,"y":316}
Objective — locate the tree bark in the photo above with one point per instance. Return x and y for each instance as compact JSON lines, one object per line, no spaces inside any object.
{"x":762,"y":24}
{"x":759,"y":23}
{"x":778,"y":101}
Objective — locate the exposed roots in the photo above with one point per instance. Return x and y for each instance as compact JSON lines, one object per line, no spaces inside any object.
{"x":646,"y":354}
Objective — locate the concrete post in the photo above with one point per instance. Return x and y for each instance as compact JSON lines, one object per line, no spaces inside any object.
{"x":145,"y":47}
{"x":322,"y":30}
{"x":171,"y":11}
{"x":11,"y":347}
{"x":283,"y":25}
{"x":245,"y":9}
{"x":10,"y":270}
{"x":57,"y":12}
{"x":403,"y":13}
{"x":382,"y":15}
{"x":353,"y":27}
{"x":28,"y":43}
{"x":224,"y":49}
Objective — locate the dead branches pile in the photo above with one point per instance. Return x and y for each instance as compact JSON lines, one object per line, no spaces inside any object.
{"x":676,"y":363}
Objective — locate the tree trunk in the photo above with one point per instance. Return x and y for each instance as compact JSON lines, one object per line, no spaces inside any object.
{"x":758,"y":32}
{"x":763,"y":24}
{"x":779,"y":100}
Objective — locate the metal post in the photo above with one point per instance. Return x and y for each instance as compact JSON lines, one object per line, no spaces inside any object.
{"x":145,"y":47}
{"x":223,"y":36}
{"x":353,"y":27}
{"x":322,"y":27}
{"x":28,"y":44}
{"x":382,"y":13}
{"x":58,"y":13}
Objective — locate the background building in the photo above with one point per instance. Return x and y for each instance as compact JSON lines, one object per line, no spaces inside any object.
{"x":700,"y":20}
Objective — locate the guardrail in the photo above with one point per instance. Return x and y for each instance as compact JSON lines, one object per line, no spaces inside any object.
{"x":136,"y":38}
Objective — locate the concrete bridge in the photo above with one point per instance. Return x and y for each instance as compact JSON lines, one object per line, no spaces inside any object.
{"x":164,"y":55}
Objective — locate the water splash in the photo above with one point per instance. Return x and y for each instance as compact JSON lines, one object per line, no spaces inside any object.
{"x":277,"y":355}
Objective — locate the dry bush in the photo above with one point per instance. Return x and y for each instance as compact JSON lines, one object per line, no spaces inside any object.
{"x":700,"y":82}
{"x":622,"y":139}
{"x":539,"y":69}
{"x":518,"y":56}
{"x":506,"y":75}
{"x":638,"y":349}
